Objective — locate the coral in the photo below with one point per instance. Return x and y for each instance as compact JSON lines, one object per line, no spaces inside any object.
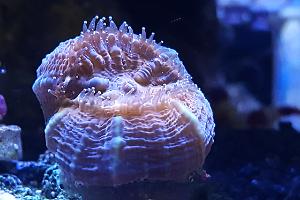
{"x":120,"y":108}
{"x":3,"y":107}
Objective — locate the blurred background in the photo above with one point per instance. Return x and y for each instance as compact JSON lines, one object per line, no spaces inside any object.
{"x":243,"y":54}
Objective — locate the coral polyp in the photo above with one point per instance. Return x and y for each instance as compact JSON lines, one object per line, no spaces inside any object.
{"x":120,"y":108}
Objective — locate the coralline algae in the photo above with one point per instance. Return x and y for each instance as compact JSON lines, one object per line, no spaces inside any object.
{"x":121,"y":108}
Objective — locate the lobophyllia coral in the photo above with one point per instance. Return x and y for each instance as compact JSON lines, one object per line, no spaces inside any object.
{"x":120,"y":108}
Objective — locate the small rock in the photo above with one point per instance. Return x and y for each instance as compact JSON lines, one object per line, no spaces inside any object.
{"x":10,"y":142}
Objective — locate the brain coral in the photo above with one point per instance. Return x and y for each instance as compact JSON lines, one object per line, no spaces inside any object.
{"x":120,"y":107}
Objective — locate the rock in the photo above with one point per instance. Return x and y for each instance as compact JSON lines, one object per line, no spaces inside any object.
{"x":10,"y":142}
{"x":50,"y":184}
{"x":6,"y":196}
{"x":9,"y":181}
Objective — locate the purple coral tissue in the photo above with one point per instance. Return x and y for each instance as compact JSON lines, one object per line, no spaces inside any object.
{"x":3,"y":107}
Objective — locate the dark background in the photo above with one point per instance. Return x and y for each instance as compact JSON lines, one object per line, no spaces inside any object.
{"x":31,"y":29}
